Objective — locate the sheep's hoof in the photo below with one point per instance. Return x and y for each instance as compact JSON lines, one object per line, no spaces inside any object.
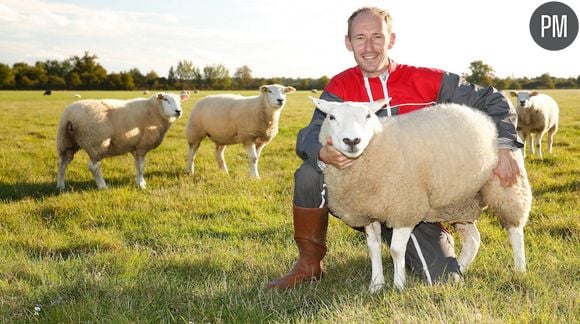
{"x":375,"y":288}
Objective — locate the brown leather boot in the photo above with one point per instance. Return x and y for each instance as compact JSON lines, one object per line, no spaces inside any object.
{"x":310,"y":226}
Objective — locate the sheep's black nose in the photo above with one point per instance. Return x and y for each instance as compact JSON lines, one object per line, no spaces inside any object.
{"x":351,"y":143}
{"x":280,"y":101}
{"x":178,"y":112}
{"x":522,"y":103}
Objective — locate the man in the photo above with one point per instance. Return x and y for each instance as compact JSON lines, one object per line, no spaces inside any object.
{"x":430,"y":251}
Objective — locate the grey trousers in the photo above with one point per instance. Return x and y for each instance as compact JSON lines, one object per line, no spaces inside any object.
{"x":430,"y":251}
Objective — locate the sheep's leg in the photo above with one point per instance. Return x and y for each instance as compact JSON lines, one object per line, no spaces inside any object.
{"x":253,"y":158}
{"x":259,"y":148}
{"x":63,"y":162}
{"x":398,"y":249}
{"x":219,"y":157}
{"x":516,"y":235}
{"x":374,"y":243}
{"x":551,"y":133}
{"x":95,"y":167}
{"x":530,"y":141}
{"x":140,"y":168}
{"x":512,"y":205}
{"x":470,"y":242}
{"x":189,"y":167}
{"x":538,"y":143}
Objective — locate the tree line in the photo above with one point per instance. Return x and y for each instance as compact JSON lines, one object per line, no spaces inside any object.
{"x":483,"y":74}
{"x":84,"y":73}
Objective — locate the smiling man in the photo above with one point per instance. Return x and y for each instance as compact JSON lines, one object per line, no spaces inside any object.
{"x":405,"y":88}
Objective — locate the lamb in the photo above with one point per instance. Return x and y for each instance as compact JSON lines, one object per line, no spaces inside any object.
{"x":112,"y":127}
{"x":537,"y":114}
{"x":233,"y":119}
{"x":431,"y":165}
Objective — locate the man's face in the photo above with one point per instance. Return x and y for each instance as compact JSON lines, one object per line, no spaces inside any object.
{"x":370,"y":42}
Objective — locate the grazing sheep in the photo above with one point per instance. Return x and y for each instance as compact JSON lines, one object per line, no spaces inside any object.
{"x":431,"y":165}
{"x":47,"y":93}
{"x":537,"y":114}
{"x":145,"y":92}
{"x":233,"y":119}
{"x":111,"y":127}
{"x":77,"y":96}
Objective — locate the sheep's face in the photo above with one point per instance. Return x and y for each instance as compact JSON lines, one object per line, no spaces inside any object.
{"x":276,"y":94}
{"x":351,"y":125}
{"x":171,"y":104}
{"x":523,"y":98}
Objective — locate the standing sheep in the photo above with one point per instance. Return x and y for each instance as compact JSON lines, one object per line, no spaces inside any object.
{"x":112,"y":127}
{"x":233,"y":119}
{"x":431,"y":165}
{"x":537,"y":114}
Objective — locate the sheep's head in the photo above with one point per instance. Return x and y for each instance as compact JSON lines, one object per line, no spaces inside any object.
{"x":351,"y":125}
{"x":171,"y":104}
{"x":276,"y":94}
{"x":524,"y":97}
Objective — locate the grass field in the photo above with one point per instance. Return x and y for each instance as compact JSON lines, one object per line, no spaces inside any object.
{"x":201,"y":249}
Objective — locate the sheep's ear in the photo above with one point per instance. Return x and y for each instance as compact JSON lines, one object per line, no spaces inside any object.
{"x":377,"y":105}
{"x":513,"y":93}
{"x":159,"y":96}
{"x":263,"y":88}
{"x":323,"y":105}
{"x":289,"y":90}
{"x":534,"y":93}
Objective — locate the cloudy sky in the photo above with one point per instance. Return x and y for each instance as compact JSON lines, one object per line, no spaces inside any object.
{"x":296,"y":38}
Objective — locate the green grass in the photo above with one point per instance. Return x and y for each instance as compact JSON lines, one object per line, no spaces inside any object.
{"x":201,"y":249}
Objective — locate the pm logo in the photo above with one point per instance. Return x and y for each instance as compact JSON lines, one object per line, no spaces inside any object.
{"x":554,"y":26}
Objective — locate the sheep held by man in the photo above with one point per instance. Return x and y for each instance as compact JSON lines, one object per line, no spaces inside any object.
{"x":110,"y":127}
{"x":537,"y":115}
{"x":432,"y":165}
{"x":233,"y":119}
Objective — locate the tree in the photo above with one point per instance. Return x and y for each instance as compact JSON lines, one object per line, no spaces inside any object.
{"x":481,"y":73}
{"x":171,"y":78}
{"x":186,"y":73}
{"x":217,"y":77}
{"x":91,"y":73}
{"x":6,"y":77}
{"x":243,"y":77}
{"x":546,"y":81}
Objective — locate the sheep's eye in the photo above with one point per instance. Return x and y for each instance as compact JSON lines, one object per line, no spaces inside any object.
{"x":368,"y":116}
{"x":331,"y":117}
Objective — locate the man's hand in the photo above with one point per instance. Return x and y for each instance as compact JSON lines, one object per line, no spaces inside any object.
{"x":329,"y":155}
{"x":507,"y":169}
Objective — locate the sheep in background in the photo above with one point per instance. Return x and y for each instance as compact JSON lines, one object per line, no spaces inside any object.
{"x":77,"y":96}
{"x":431,"y":165}
{"x":233,"y":119}
{"x":47,"y":93}
{"x":537,"y":115}
{"x":112,"y":127}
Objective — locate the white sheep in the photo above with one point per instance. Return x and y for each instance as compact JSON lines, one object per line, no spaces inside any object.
{"x":537,"y":115}
{"x":77,"y":96}
{"x":233,"y":119}
{"x":431,"y":165}
{"x":112,"y":127}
